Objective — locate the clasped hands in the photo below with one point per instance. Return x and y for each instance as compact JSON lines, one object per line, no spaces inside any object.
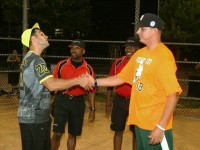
{"x":86,"y":81}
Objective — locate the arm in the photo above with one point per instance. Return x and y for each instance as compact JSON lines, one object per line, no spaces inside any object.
{"x":157,"y":134}
{"x":91,"y":116}
{"x":109,"y":101}
{"x":9,"y":59}
{"x":13,"y":60}
{"x":110,"y":81}
{"x":53,"y":84}
{"x":17,"y":59}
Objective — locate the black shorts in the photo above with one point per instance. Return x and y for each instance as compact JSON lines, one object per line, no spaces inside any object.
{"x":35,"y":136}
{"x":68,"y":109}
{"x":119,"y":113}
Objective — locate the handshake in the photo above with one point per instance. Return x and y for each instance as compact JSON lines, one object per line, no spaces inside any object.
{"x":86,"y":81}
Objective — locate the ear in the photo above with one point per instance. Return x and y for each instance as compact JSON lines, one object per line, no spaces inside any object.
{"x":83,"y":51}
{"x":154,"y":31}
{"x":33,"y":39}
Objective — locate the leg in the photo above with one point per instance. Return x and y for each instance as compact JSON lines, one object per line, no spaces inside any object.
{"x":41,"y":136}
{"x":71,"y":142}
{"x":118,"y":137}
{"x":35,"y":136}
{"x":134,"y":145}
{"x":138,"y":137}
{"x":55,"y":141}
{"x":118,"y":119}
{"x":26,"y":136}
{"x":61,"y":104}
{"x":75,"y":123}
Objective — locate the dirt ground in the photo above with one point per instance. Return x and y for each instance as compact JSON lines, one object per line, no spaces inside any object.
{"x":98,"y":136}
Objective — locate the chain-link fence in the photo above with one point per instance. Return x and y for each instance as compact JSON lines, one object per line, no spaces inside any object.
{"x":100,"y":54}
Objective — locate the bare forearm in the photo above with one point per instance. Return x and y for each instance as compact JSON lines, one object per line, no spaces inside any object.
{"x":169,"y":109}
{"x":54,"y":84}
{"x":110,"y":81}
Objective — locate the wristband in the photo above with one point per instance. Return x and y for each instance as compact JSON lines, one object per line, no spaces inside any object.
{"x":92,"y":108}
{"x":96,"y":84}
{"x":161,"y":128}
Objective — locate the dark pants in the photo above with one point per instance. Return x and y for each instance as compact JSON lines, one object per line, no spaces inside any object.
{"x":68,"y":109}
{"x":35,"y":136}
{"x":119,"y":113}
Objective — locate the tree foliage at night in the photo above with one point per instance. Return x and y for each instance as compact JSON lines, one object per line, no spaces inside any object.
{"x":182,"y":20}
{"x":69,"y":15}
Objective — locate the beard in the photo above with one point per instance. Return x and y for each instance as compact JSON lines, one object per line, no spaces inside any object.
{"x":45,"y":44}
{"x":74,"y":55}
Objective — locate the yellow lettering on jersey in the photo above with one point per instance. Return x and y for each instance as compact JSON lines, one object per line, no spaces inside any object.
{"x":24,"y":62}
{"x":42,"y":69}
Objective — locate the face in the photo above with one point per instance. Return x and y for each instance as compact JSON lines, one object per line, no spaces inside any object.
{"x":14,"y":52}
{"x":130,"y":50}
{"x":77,"y":53}
{"x":144,"y":34}
{"x":42,"y":39}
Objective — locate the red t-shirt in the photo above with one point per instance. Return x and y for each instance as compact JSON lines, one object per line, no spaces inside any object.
{"x":123,"y":90}
{"x":68,"y":71}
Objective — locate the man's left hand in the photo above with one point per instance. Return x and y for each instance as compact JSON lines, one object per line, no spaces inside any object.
{"x":156,"y":136}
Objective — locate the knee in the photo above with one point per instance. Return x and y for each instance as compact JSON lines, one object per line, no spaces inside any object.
{"x":72,"y":137}
{"x":119,"y":133}
{"x":57,"y":136}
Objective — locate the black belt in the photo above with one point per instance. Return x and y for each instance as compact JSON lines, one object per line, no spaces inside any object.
{"x":126,"y":98}
{"x":71,"y":96}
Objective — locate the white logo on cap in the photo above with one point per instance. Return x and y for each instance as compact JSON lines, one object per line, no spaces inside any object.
{"x":141,"y":17}
{"x":152,"y":23}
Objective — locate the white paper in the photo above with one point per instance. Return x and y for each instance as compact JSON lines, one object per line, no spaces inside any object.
{"x":164,"y":144}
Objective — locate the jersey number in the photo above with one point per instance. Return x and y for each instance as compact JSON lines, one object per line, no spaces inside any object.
{"x":139,"y":86}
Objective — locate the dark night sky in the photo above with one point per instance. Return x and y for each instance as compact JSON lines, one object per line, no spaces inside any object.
{"x":113,"y":18}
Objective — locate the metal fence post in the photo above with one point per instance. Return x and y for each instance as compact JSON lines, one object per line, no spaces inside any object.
{"x":25,"y":21}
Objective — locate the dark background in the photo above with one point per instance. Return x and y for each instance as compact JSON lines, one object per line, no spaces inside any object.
{"x":113,"y":18}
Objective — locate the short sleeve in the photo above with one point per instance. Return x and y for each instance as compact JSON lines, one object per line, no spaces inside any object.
{"x":41,"y":70}
{"x":167,"y":77}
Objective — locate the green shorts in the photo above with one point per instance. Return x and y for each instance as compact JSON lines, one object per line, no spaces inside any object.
{"x":142,"y":139}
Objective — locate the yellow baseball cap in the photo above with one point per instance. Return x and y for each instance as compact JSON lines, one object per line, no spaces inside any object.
{"x":26,"y":35}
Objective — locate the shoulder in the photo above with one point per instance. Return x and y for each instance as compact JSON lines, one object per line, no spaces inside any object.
{"x":88,"y":67}
{"x":62,"y":62}
{"x":119,"y":60}
{"x":165,"y":53}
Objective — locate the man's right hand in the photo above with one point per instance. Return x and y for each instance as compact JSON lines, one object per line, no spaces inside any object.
{"x":85,"y":82}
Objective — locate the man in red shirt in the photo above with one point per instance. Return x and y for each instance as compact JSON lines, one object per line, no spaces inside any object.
{"x":122,"y":95}
{"x":69,"y":105}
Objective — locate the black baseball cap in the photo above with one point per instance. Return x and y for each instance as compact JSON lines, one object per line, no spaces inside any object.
{"x":132,"y":41}
{"x":78,"y":42}
{"x":151,"y":20}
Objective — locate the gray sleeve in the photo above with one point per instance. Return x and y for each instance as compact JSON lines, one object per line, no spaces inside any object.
{"x":40,"y":69}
